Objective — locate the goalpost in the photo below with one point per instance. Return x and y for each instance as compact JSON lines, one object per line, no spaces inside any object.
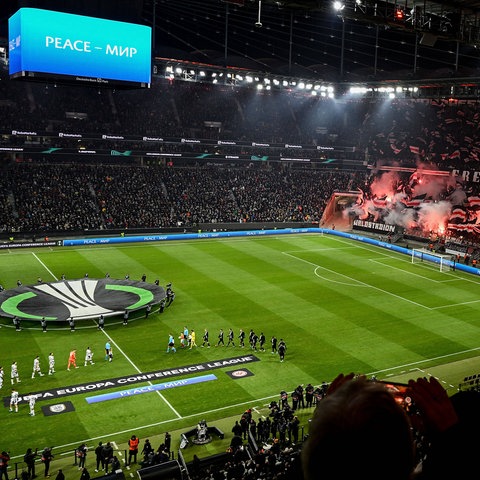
{"x":443,"y":262}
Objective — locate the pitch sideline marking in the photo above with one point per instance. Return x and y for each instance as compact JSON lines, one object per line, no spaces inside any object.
{"x":156,"y":244}
{"x":45,"y":267}
{"x":404,"y":271}
{"x":455,"y":304}
{"x":466,"y":279}
{"x":425,"y":266}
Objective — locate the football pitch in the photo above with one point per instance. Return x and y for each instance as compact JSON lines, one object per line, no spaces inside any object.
{"x":340,"y":305}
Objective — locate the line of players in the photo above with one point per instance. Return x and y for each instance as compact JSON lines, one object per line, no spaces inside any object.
{"x":257,"y":342}
{"x":15,"y":377}
{"x":72,"y":362}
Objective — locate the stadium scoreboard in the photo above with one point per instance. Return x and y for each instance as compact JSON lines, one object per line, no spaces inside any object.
{"x":68,"y":48}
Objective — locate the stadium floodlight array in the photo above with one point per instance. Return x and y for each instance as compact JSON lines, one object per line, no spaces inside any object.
{"x":422,"y":255}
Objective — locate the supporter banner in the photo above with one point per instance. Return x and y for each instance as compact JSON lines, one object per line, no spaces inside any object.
{"x":452,"y":251}
{"x":469,"y":176}
{"x":373,"y":226}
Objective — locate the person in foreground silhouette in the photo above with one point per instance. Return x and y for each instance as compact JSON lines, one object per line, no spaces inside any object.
{"x":359,"y":431}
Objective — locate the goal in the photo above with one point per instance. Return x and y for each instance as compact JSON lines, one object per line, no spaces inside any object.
{"x":443,"y":262}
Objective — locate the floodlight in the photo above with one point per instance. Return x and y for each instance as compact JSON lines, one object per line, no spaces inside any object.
{"x":338,"y":6}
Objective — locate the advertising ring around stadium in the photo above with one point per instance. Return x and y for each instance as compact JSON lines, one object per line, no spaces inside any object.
{"x":81,"y":299}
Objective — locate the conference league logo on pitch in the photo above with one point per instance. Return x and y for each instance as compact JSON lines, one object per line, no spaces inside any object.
{"x":80,"y":299}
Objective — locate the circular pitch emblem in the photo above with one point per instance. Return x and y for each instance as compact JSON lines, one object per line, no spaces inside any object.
{"x":80,"y":299}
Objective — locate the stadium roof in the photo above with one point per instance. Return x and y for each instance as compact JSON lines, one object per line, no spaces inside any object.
{"x":361,"y":40}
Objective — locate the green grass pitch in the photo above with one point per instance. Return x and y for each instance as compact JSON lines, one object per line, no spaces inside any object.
{"x":340,"y":305}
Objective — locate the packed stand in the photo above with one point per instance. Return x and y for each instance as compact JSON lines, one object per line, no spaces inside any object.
{"x":52,"y":197}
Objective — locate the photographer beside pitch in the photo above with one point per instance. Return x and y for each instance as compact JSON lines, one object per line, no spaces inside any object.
{"x":359,"y":430}
{"x":47,"y":457}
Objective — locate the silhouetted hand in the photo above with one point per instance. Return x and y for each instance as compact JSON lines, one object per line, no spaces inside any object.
{"x":434,"y":404}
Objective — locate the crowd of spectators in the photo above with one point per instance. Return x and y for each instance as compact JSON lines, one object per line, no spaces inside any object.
{"x":434,"y":133}
{"x":52,"y":197}
{"x":57,"y":193}
{"x":172,"y":109}
{"x":443,"y":132}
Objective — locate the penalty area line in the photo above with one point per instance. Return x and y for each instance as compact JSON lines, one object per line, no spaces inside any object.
{"x":360,"y":283}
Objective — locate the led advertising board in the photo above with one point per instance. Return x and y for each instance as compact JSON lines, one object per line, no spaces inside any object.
{"x":44,"y":44}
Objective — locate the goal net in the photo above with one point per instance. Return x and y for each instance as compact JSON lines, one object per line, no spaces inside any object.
{"x":442,"y":262}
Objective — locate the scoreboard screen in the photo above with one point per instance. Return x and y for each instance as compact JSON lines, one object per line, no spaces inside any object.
{"x":44,"y":45}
